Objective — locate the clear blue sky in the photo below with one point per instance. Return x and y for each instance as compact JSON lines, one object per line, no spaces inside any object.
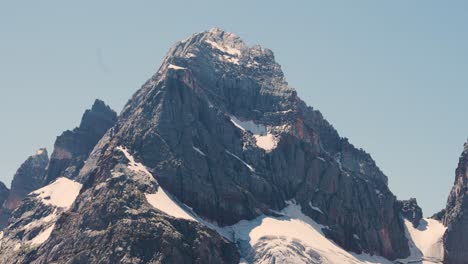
{"x":392,"y":77}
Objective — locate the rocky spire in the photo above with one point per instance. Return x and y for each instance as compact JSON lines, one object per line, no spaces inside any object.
{"x":26,"y":179}
{"x":72,"y":148}
{"x":456,"y":236}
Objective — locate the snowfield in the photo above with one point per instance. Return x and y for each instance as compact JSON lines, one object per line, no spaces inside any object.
{"x":60,"y":193}
{"x":426,"y":243}
{"x":164,"y":202}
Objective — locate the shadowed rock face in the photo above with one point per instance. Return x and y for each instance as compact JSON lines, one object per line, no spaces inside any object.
{"x":4,"y":191}
{"x":455,"y":218}
{"x":72,"y":148}
{"x":26,"y":179}
{"x":411,"y":211}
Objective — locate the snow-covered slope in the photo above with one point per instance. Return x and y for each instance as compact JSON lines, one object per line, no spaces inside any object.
{"x":426,"y":242}
{"x":61,"y":193}
{"x":290,"y":238}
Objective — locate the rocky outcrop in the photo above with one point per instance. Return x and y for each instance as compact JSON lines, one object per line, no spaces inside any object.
{"x":72,"y":148}
{"x":456,"y":236}
{"x":439,"y":216}
{"x":411,"y":211}
{"x":26,"y":179}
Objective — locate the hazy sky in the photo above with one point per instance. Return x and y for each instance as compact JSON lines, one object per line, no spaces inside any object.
{"x":392,"y":77}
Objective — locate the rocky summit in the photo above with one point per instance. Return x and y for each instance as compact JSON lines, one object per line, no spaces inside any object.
{"x":71,"y":149}
{"x":27,"y":179}
{"x":215,"y":159}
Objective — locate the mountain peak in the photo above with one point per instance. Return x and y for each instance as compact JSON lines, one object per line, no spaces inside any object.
{"x":99,"y":112}
{"x":222,"y":51}
{"x":41,"y":151}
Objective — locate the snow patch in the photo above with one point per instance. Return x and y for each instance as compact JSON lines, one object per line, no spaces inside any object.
{"x":315,"y":208}
{"x":40,"y":152}
{"x":249,"y":125}
{"x":243,"y":162}
{"x":321,"y":159}
{"x":165,"y":203}
{"x":267,"y":142}
{"x":199,"y":151}
{"x":136,"y":167}
{"x":175,"y":67}
{"x":190,"y":55}
{"x":230,"y":59}
{"x":60,"y":193}
{"x":426,"y":241}
{"x":224,"y":48}
{"x":52,"y":217}
{"x":43,"y":236}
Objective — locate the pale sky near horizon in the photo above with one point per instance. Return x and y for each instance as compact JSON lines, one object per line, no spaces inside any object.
{"x":389,"y":76}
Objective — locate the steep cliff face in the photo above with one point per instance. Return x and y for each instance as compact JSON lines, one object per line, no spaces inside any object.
{"x":72,"y":148}
{"x":26,"y":179}
{"x":455,"y":218}
{"x":4,"y":191}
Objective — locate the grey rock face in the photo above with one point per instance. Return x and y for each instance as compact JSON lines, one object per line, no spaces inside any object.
{"x":26,"y":179}
{"x":72,"y":148}
{"x":411,"y":211}
{"x":455,"y":218}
